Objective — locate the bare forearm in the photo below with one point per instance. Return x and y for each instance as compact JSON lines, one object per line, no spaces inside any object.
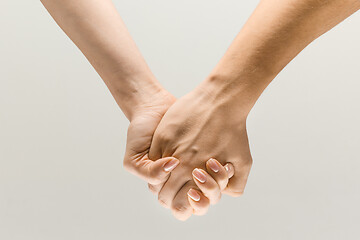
{"x":97,"y":29}
{"x":275,"y":33}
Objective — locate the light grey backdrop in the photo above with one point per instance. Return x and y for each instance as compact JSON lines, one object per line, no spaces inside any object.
{"x":62,"y":136}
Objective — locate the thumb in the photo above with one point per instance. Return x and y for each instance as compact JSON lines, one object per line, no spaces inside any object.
{"x":154,"y":172}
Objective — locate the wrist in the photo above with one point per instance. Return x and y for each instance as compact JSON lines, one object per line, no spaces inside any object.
{"x":136,"y":93}
{"x":236,"y":94}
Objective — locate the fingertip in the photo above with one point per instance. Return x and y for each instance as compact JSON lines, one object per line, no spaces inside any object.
{"x":171,"y":164}
{"x":214,"y":165}
{"x":199,"y":175}
{"x":200,"y":207}
{"x":229,"y":169}
{"x":159,"y":170}
{"x":194,"y":195}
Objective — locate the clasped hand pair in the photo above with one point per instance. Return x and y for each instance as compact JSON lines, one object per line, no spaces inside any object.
{"x":193,"y":149}
{"x":189,"y":150}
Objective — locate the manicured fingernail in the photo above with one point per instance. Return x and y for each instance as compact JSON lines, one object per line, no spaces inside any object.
{"x":193,"y":195}
{"x":199,"y":175}
{"x":170,"y":165}
{"x":227,"y":168}
{"x":213,"y":165}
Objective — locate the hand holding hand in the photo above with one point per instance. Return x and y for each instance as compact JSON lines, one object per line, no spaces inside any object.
{"x":197,"y":127}
{"x":157,"y":172}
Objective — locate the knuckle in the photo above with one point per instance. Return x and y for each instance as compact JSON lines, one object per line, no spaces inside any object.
{"x":166,"y":137}
{"x":163,"y":202}
{"x":194,"y":150}
{"x":180,"y":209}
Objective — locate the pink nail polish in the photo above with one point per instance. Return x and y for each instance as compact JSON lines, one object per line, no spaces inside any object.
{"x":194,"y":195}
{"x":169,"y":166}
{"x":199,"y":175}
{"x":213,"y":165}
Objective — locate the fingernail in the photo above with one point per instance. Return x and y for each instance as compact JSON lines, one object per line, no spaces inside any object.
{"x":170,"y":165}
{"x":193,"y":195}
{"x":199,"y":175}
{"x":213,"y":165}
{"x":227,"y":167}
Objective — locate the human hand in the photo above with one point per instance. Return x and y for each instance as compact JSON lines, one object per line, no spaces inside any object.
{"x":209,"y":186}
{"x":140,"y":132}
{"x":197,"y":127}
{"x":210,"y":183}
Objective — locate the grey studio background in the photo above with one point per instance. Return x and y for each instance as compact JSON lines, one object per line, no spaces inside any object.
{"x":62,"y":137}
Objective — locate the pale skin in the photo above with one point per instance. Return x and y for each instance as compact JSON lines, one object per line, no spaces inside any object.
{"x":210,"y":121}
{"x":97,"y":29}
